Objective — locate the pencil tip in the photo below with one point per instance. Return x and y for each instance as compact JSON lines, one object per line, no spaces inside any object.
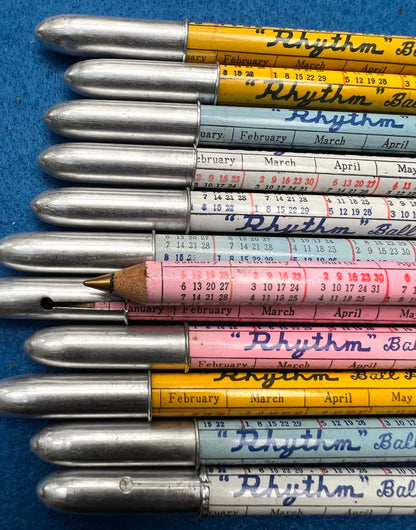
{"x":102,"y":283}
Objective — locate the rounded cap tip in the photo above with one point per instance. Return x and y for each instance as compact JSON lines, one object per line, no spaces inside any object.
{"x":13,"y":395}
{"x":36,"y":445}
{"x":50,"y":443}
{"x":45,"y":159}
{"x":50,"y":206}
{"x":54,"y":493}
{"x":8,"y":249}
{"x":43,"y":347}
{"x":44,"y":29}
{"x":62,"y":117}
{"x":37,"y":205}
{"x":55,"y":33}
{"x":52,"y":117}
{"x":71,"y":76}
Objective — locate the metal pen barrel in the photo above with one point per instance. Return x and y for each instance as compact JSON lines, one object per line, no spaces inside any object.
{"x":210,"y":168}
{"x":224,"y":393}
{"x":114,"y":36}
{"x":56,"y":298}
{"x":210,"y":347}
{"x":67,"y":298}
{"x":113,"y":347}
{"x":238,"y":212}
{"x":133,"y":122}
{"x":245,"y":441}
{"x":99,"y":252}
{"x":242,"y":85}
{"x":105,"y":491}
{"x":144,"y":166}
{"x":133,"y":209}
{"x":233,"y":490}
{"x":70,"y":395}
{"x":146,"y":122}
{"x":144,"y":80}
{"x":75,"y":253}
{"x":115,"y":443}
{"x":98,"y":36}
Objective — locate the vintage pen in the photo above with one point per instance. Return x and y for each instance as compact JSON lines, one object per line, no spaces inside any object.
{"x":242,"y":85}
{"x":184,"y":211}
{"x":289,"y":282}
{"x":96,"y":36}
{"x":241,"y":441}
{"x":227,"y":393}
{"x":66,"y":298}
{"x":223,"y":347}
{"x":228,"y":126}
{"x":234,"y":490}
{"x":198,"y":168}
{"x":99,"y":252}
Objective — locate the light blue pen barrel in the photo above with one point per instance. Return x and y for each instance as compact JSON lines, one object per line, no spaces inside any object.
{"x":304,"y":440}
{"x":96,"y":252}
{"x":199,"y":248}
{"x":307,"y":129}
{"x":189,"y":124}
{"x":218,"y":441}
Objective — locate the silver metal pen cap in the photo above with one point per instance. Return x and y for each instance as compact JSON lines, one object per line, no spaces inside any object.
{"x":126,"y":121}
{"x":118,"y":443}
{"x":111,"y":347}
{"x":125,"y":209}
{"x":75,"y":252}
{"x":144,"y":80}
{"x":77,"y":395}
{"x":93,"y":36}
{"x":54,"y":298}
{"x":118,"y":164}
{"x":124,"y":490}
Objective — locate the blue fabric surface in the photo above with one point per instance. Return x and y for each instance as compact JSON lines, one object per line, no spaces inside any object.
{"x":32,"y":82}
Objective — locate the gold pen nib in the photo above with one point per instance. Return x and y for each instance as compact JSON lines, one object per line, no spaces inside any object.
{"x":102,"y":283}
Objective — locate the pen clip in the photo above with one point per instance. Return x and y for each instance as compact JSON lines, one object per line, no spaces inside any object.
{"x":57,"y":299}
{"x":80,"y":309}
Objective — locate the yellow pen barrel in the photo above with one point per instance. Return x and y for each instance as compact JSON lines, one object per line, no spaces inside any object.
{"x":257,"y":46}
{"x":284,"y":393}
{"x":243,"y":85}
{"x":139,"y":394}
{"x":317,"y":89}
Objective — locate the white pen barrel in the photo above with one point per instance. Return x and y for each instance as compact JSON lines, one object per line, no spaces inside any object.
{"x":234,"y":490}
{"x":208,"y":211}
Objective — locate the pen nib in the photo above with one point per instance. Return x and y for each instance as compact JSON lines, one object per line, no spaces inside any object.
{"x":102,"y":283}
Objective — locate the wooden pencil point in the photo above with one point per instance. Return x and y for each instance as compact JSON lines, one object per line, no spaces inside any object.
{"x":130,"y":283}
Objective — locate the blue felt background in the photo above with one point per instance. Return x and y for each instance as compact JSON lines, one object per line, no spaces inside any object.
{"x":31,"y":82}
